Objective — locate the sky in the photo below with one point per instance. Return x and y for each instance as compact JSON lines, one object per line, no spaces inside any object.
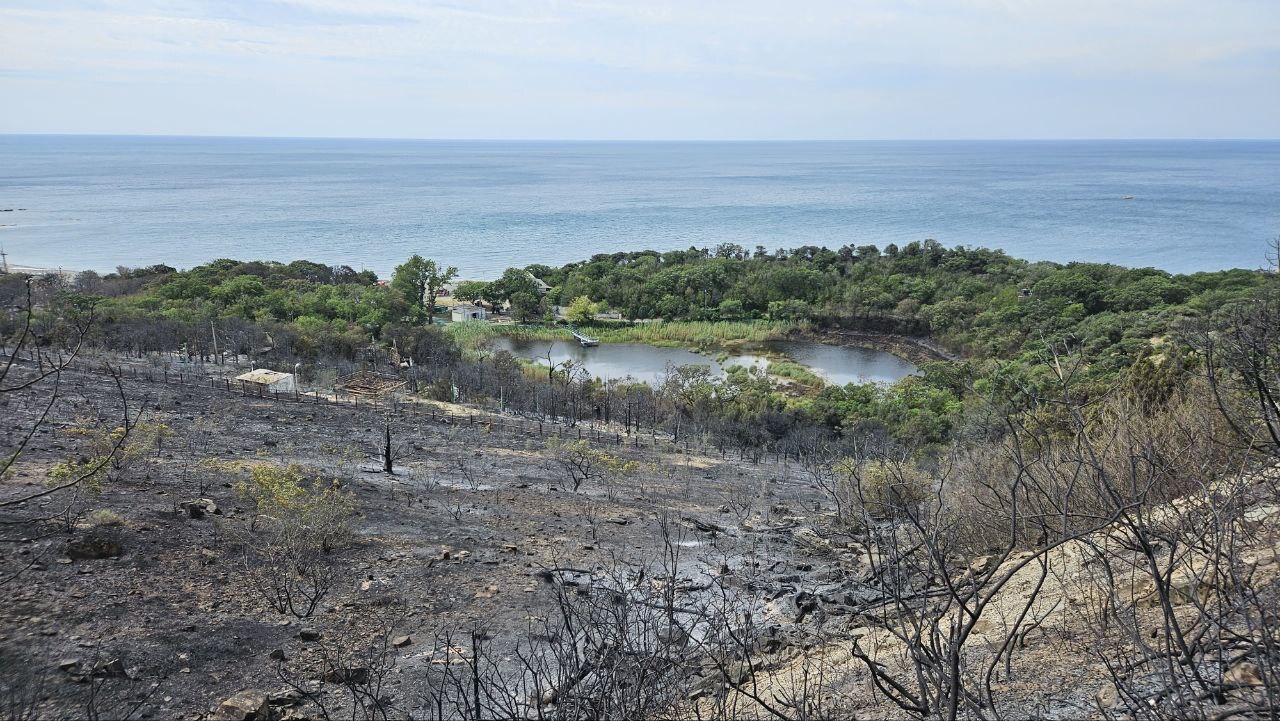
{"x":644,"y":69}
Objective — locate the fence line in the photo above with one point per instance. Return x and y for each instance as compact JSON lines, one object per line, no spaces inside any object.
{"x":423,"y":411}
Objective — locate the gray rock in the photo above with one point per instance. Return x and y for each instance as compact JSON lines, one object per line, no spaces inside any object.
{"x":1107,"y":696}
{"x":200,"y":507}
{"x":110,"y":669}
{"x":248,"y":705}
{"x":285,"y":697}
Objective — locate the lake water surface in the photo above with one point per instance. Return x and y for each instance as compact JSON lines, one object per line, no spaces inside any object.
{"x":649,"y":364}
{"x":839,"y":365}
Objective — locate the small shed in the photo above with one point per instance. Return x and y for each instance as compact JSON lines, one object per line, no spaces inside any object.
{"x":467,"y":312}
{"x":265,"y":381}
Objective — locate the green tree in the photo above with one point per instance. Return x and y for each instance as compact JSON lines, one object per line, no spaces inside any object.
{"x":471,"y":290}
{"x":419,"y":280}
{"x":526,"y":306}
{"x":514,"y":281}
{"x":580,"y":310}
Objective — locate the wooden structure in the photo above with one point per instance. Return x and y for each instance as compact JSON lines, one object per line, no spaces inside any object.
{"x":367,"y":384}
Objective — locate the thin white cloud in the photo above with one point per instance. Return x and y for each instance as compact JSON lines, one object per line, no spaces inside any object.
{"x":860,"y":64}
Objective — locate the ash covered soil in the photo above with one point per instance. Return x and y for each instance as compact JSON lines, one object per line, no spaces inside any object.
{"x":167,"y":624}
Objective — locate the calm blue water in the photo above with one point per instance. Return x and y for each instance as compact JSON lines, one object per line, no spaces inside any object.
{"x":98,"y":202}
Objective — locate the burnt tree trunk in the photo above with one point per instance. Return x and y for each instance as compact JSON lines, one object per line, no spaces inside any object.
{"x":386,"y":450}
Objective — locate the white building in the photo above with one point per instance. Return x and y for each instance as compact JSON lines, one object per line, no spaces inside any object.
{"x":467,"y":312}
{"x":265,"y":381}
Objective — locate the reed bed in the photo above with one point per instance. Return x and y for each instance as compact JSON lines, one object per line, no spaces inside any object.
{"x":472,"y":334}
{"x":701,"y":335}
{"x":796,"y":372}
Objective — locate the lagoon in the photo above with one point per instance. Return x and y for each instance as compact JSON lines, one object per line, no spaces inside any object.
{"x":839,"y":365}
{"x":614,"y":361}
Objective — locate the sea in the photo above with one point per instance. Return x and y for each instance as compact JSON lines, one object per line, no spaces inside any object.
{"x":98,"y":202}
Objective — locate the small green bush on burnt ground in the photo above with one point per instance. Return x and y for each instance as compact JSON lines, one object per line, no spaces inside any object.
{"x":291,"y":547}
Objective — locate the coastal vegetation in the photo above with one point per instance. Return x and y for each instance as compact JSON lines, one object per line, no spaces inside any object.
{"x":999,"y":315}
{"x":1080,"y":524}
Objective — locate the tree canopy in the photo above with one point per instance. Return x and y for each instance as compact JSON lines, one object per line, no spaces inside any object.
{"x":420,"y":280}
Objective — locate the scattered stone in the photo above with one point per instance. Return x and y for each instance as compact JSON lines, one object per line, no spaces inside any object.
{"x":1107,"y":696}
{"x":808,"y":539}
{"x":805,"y":604}
{"x":1184,"y":587}
{"x":1258,"y":515}
{"x":68,"y":664}
{"x":200,"y":507}
{"x":248,"y":705}
{"x":704,"y":526}
{"x":277,"y":654}
{"x":979,"y":565}
{"x":110,"y":669}
{"x":402,"y":641}
{"x":309,"y":634}
{"x":1244,"y":673}
{"x":285,"y":697}
{"x":487,"y":592}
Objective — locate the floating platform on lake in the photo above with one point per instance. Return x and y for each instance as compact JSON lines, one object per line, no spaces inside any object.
{"x":583,"y":339}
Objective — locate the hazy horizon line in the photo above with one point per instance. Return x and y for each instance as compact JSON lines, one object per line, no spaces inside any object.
{"x":641,"y":140}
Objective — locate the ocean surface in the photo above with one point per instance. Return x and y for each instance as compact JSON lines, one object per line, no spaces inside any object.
{"x":101,"y":201}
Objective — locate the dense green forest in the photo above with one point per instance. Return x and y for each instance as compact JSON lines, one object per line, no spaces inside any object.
{"x":1004,"y":317}
{"x":1002,"y":314}
{"x":980,"y":302}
